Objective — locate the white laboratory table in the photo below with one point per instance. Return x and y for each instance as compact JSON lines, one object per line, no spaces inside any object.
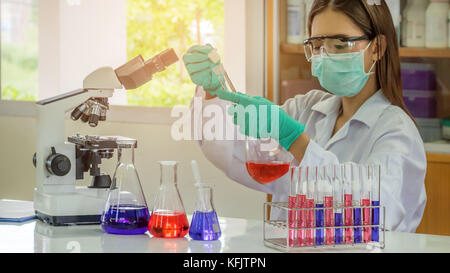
{"x":238,"y":236}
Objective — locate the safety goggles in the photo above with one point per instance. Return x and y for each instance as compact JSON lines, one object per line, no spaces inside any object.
{"x":331,"y":45}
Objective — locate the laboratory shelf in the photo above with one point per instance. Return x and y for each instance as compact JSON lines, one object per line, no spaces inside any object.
{"x":404,"y":51}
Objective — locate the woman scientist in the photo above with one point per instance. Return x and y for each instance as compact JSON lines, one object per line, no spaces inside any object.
{"x":354,"y":53}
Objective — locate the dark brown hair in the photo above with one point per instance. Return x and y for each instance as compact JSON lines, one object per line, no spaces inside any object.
{"x":374,"y":20}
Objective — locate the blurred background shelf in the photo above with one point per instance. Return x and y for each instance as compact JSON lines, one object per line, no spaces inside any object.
{"x":404,"y":51}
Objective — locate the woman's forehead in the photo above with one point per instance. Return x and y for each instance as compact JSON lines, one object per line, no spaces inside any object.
{"x":330,"y":22}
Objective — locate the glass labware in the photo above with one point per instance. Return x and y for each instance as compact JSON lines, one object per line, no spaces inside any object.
{"x":204,"y":224}
{"x":168,"y":218}
{"x":126,"y":210}
{"x":266,"y":160}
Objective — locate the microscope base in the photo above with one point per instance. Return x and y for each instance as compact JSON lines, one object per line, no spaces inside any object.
{"x":77,"y":220}
{"x":82,"y":207}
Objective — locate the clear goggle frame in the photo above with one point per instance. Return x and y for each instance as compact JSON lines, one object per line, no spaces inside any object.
{"x":331,"y":45}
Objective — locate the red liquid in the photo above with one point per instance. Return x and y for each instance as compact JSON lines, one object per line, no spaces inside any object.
{"x":264,"y":173}
{"x":366,"y":220}
{"x":168,"y":225}
{"x":301,"y":219}
{"x":292,"y":221}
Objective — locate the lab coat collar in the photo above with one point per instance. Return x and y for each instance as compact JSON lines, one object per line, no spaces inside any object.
{"x":368,"y":113}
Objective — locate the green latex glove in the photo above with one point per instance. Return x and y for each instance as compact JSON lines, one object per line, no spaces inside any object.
{"x":288,"y":128}
{"x":200,"y":68}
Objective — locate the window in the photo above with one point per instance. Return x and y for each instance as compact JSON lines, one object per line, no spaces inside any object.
{"x":153,"y":26}
{"x":19,"y":50}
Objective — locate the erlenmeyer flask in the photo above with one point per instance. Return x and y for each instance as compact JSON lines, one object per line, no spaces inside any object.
{"x":126,"y":210}
{"x":204,"y":224}
{"x":168,"y":218}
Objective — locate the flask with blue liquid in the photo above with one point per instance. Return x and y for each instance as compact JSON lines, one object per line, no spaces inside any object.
{"x":204,"y":224}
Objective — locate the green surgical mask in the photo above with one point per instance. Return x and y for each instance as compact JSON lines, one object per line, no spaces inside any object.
{"x":341,"y":74}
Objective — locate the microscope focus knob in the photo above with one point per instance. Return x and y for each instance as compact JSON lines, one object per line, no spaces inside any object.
{"x":58,"y":164}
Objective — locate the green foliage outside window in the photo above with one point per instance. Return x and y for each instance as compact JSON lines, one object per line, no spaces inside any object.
{"x":155,"y":25}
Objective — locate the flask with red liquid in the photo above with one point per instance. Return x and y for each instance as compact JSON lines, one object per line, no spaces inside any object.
{"x":266,"y":160}
{"x":168,"y":218}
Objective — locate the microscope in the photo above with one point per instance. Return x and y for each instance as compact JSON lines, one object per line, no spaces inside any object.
{"x":58,"y":201}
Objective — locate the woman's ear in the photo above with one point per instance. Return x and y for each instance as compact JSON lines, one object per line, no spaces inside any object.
{"x":379,"y":48}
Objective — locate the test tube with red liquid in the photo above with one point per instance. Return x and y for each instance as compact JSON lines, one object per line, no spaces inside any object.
{"x":348,"y":201}
{"x":365,"y":200}
{"x":312,"y":177}
{"x":301,"y":203}
{"x":329,"y":219}
{"x":292,"y":205}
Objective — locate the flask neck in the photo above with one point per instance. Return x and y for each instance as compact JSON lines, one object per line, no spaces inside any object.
{"x":168,"y":173}
{"x":204,"y":199}
{"x":126,"y":155}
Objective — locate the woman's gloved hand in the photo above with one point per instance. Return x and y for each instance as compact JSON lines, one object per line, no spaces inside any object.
{"x":200,"y":68}
{"x":286,"y":131}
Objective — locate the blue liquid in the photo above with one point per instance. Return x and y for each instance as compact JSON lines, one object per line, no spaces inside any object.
{"x":205,"y":226}
{"x":375,"y":221}
{"x":338,"y":234}
{"x":357,"y":220}
{"x":126,"y":220}
{"x":319,"y":223}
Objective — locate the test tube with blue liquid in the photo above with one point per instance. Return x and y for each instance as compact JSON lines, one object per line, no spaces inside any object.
{"x":375,"y":176}
{"x":319,"y":203}
{"x":338,"y":203}
{"x":357,"y":213}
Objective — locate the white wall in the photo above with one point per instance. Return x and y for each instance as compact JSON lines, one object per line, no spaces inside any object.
{"x":17,"y":145}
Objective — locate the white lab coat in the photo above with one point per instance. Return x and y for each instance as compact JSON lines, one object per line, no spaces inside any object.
{"x":378,"y":133}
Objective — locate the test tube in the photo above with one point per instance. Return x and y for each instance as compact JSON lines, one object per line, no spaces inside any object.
{"x":328,"y":192}
{"x":357,"y":213}
{"x":365,"y":201}
{"x":348,"y":199}
{"x":338,"y":193}
{"x":292,"y":205}
{"x":375,"y":183}
{"x":312,"y":176}
{"x":319,"y":199}
{"x":301,"y":203}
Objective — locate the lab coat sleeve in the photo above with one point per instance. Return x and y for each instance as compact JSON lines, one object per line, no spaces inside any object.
{"x":400,"y":153}
{"x":227,"y":155}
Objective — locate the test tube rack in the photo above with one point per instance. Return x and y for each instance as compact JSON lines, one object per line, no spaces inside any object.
{"x":281,"y":235}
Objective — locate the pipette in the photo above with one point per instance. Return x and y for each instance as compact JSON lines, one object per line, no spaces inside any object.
{"x":348,"y":213}
{"x":328,"y":192}
{"x":365,"y":201}
{"x":196,"y":172}
{"x":219,"y":70}
{"x":337,"y":192}
{"x":292,"y":205}
{"x":301,"y":203}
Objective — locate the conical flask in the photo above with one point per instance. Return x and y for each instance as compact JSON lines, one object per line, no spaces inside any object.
{"x":204,"y":224}
{"x":168,"y":219}
{"x":126,"y":210}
